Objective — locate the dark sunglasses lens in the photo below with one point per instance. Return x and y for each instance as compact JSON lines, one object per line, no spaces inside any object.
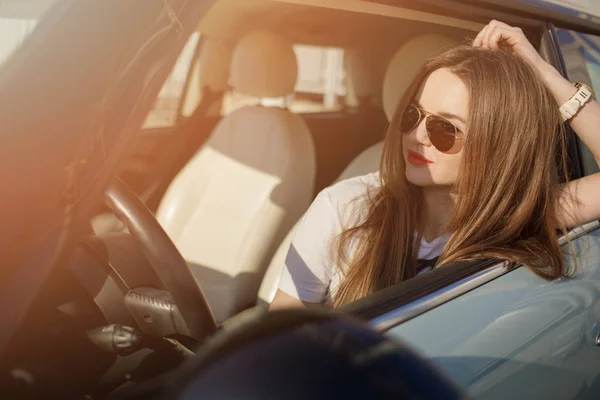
{"x":441,"y":133}
{"x":409,"y":119}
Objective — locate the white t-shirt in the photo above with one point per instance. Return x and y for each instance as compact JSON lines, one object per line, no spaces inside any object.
{"x":310,"y":274}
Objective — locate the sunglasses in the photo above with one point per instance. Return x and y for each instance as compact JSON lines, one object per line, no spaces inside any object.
{"x":442,"y":133}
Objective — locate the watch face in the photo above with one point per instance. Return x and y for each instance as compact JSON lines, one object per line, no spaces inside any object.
{"x":579,"y":85}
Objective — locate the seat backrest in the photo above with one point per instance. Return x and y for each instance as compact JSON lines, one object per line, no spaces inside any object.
{"x":400,"y":73}
{"x":365,"y":74}
{"x":365,"y":163}
{"x":233,"y":203}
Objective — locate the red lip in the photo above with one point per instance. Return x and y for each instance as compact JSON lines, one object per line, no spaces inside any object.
{"x":416,"y":159}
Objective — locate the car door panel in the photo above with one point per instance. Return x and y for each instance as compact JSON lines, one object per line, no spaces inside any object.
{"x":519,"y":336}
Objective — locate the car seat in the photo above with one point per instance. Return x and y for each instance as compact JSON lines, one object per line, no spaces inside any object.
{"x":232,"y":204}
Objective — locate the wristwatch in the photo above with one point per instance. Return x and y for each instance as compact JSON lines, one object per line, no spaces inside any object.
{"x":578,"y":100}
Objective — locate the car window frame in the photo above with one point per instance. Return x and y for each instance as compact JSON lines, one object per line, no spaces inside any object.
{"x":550,"y":51}
{"x":520,"y":12}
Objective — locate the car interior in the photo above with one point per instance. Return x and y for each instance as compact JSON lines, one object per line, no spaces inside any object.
{"x":232,"y":205}
{"x":245,"y":153}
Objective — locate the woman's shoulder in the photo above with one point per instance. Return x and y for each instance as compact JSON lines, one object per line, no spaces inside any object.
{"x":343,"y":194}
{"x":345,"y":191}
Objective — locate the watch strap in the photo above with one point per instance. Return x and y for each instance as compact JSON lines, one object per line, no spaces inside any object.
{"x":578,"y":100}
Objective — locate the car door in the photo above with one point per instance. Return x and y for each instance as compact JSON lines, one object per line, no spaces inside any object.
{"x":515,"y":335}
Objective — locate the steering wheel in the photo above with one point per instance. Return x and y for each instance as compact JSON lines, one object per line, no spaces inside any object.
{"x":168,"y":263}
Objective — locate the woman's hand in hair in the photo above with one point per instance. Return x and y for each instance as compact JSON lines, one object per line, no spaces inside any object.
{"x":500,"y":36}
{"x":497,"y":35}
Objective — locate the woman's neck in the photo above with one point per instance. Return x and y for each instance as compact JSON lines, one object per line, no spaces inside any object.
{"x":438,"y":208}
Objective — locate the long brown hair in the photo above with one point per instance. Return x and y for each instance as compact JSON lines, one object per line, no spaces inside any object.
{"x":504,"y":206}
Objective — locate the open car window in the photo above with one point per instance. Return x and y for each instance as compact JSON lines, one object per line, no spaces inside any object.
{"x":13,"y":32}
{"x":17,"y":21}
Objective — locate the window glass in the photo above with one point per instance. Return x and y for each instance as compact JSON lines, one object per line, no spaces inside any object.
{"x":581,"y":54}
{"x":13,"y":32}
{"x":166,"y":105}
{"x":320,"y":87}
{"x":321,"y":79}
{"x":17,"y":21}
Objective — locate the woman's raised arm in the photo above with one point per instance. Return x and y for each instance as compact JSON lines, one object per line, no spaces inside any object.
{"x":578,"y":201}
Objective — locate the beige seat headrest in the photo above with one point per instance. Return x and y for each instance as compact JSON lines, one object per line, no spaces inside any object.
{"x":406,"y":63}
{"x":363,"y":72}
{"x":263,"y":65}
{"x":212,"y":73}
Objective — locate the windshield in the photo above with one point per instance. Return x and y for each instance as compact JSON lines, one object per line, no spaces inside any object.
{"x":17,"y":20}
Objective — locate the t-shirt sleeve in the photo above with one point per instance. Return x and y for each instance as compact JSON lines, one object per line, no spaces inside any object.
{"x":309,"y":263}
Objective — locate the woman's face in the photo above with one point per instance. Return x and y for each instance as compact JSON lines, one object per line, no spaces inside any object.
{"x":445,"y":95}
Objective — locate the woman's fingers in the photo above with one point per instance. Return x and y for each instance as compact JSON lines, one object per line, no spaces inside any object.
{"x":496,"y":32}
{"x":496,"y":35}
{"x":478,"y":42}
{"x":494,"y":40}
{"x":499,"y":24}
{"x":487,"y":38}
{"x":506,"y":36}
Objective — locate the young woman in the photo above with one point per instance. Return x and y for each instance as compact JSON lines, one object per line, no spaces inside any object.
{"x":466,"y":172}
